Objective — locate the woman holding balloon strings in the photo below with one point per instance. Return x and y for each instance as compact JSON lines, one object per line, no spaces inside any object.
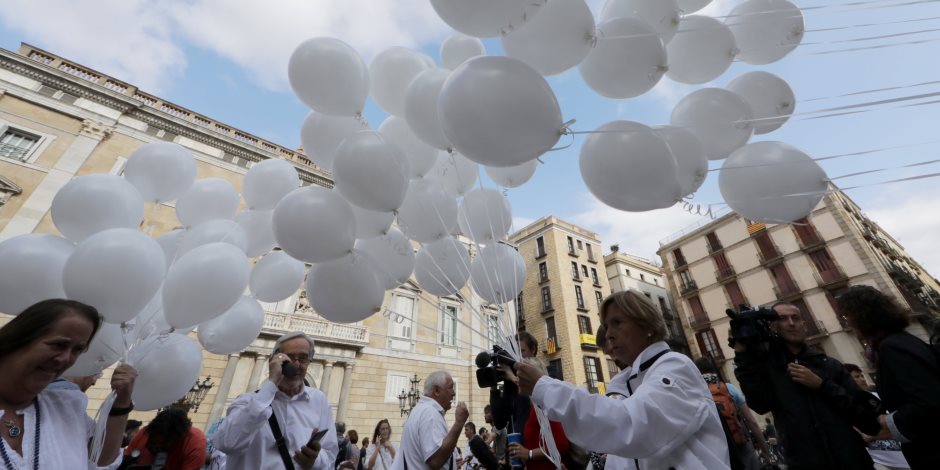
{"x":48,"y":428}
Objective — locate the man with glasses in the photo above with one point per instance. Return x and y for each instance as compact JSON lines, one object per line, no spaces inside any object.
{"x":277,"y":426}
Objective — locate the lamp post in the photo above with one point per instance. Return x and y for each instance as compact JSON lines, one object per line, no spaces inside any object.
{"x":407,"y":401}
{"x":195,"y":395}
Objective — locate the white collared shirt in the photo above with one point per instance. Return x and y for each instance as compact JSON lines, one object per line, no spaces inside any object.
{"x":246,"y":438}
{"x":422,"y":436}
{"x":64,"y":432}
{"x":383,"y":461}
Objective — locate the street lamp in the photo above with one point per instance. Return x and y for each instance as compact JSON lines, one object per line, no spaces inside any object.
{"x":195,"y":395}
{"x":407,"y":401}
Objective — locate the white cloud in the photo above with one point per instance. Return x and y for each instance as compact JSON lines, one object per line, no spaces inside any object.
{"x":905,"y":215}
{"x":520,"y":222}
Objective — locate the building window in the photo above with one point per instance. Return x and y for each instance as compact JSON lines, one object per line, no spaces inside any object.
{"x":551,"y":336}
{"x":642,"y":277}
{"x":571,"y":246}
{"x":574,"y":270}
{"x":627,"y":272}
{"x":580,"y":246}
{"x":766,"y":247}
{"x":708,"y":344}
{"x":539,"y":247}
{"x":519,"y":310}
{"x":713,"y":243}
{"x":546,"y":299}
{"x":599,"y":296}
{"x":543,"y":272}
{"x":662,"y":305}
{"x":395,"y":383}
{"x":584,"y":325}
{"x":612,"y":367}
{"x":579,"y":296}
{"x":449,"y":325}
{"x":555,"y":369}
{"x":494,"y":333}
{"x":648,"y":295}
{"x":735,"y":294}
{"x":680,"y":259}
{"x":590,"y":251}
{"x":584,"y":271}
{"x":17,"y":145}
{"x":592,"y":370}
{"x":401,"y":322}
{"x":698,"y":311}
{"x":597,"y":282}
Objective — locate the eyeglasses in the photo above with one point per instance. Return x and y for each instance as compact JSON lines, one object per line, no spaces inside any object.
{"x":299,"y":358}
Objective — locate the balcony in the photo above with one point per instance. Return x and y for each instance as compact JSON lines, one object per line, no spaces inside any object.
{"x":755,"y":228}
{"x":904,"y":277}
{"x":699,"y":323}
{"x":809,"y":238}
{"x":713,"y":247}
{"x":723,"y":274}
{"x":816,"y":330}
{"x":551,"y":345}
{"x":680,"y":263}
{"x":767,"y":257}
{"x":787,"y":291}
{"x":830,"y":277}
{"x":687,"y":288}
{"x":317,"y":328}
{"x":588,"y":340}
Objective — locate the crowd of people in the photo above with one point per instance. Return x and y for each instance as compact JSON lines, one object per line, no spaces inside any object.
{"x":661,"y":411}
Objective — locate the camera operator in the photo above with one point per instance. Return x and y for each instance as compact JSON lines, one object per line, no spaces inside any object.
{"x":509,"y":409}
{"x":815,"y":403}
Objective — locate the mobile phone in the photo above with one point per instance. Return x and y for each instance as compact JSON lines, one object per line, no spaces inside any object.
{"x":316,"y":437}
{"x":289,"y":370}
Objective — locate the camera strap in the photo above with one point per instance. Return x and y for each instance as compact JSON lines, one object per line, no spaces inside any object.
{"x":280,"y":441}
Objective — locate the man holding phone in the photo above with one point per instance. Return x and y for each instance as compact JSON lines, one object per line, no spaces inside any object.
{"x":284,"y":424}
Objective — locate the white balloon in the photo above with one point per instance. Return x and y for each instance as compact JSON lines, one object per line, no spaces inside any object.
{"x":207,"y":199}
{"x":485,"y":215}
{"x":167,"y":367}
{"x":234,"y":330}
{"x":421,"y":111}
{"x":442,"y":267}
{"x":702,"y":50}
{"x":213,"y":231}
{"x":345,"y":290}
{"x":772,"y":182}
{"x":628,"y":167}
{"x":513,"y":176}
{"x":151,"y":320}
{"x":259,"y":231}
{"x":687,"y":7}
{"x":329,"y":76}
{"x":31,"y":270}
{"x":421,"y":156}
{"x":321,"y":135}
{"x":498,"y":273}
{"x":314,"y":224}
{"x":393,"y":256}
{"x":629,"y":59}
{"x":371,"y":224}
{"x":498,"y":111}
{"x":691,"y":161}
{"x":392,"y":70}
{"x":203,"y":284}
{"x":276,"y":277}
{"x":370,"y":172}
{"x":661,"y":15}
{"x":766,"y":30}
{"x":170,"y":243}
{"x":770,"y":97}
{"x":103,"y":351}
{"x":161,"y":171}
{"x":486,"y":18}
{"x":455,"y":173}
{"x":721,"y":120}
{"x":428,"y":212}
{"x":459,"y":48}
{"x":559,"y":38}
{"x":116,"y":271}
{"x":268,"y":181}
{"x":89,"y":204}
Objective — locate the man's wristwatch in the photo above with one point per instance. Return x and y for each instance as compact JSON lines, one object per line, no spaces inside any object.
{"x":121,"y":411}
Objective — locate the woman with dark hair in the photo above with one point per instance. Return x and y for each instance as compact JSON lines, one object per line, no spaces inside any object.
{"x":169,"y":441}
{"x":36,"y":347}
{"x":908,"y":372}
{"x":381,"y":452}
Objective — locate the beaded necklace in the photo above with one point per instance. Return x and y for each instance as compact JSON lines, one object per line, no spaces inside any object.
{"x":3,"y":450}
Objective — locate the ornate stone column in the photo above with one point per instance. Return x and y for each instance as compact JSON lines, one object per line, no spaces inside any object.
{"x":254,"y":380}
{"x":221,"y":395}
{"x":325,"y":379}
{"x":344,"y":393}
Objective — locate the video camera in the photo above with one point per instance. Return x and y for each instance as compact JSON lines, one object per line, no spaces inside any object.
{"x":488,"y":366}
{"x":751,"y":327}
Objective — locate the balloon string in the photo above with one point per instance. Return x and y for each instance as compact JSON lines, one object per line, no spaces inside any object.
{"x":830,"y":157}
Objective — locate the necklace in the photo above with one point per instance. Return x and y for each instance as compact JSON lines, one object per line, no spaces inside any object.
{"x":12,"y":429}
{"x":3,"y":449}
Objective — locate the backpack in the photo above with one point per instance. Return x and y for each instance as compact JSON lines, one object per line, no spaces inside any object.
{"x":728,"y":411}
{"x":343,"y":454}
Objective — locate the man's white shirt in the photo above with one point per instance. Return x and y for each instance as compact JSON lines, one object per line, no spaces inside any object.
{"x":422,"y":436}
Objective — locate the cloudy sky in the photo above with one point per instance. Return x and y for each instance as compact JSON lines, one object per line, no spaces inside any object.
{"x":227,"y":59}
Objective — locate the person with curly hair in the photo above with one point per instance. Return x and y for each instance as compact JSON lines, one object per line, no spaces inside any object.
{"x":908,"y":372}
{"x":169,"y":441}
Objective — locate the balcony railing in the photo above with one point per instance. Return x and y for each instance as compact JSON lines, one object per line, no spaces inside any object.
{"x":699,"y":323}
{"x":318,"y":328}
{"x":713,"y":247}
{"x":680,"y":263}
{"x":724,"y":273}
{"x":688,"y":287}
{"x":809,"y":238}
{"x":786,"y":290}
{"x":769,"y":256}
{"x":829,"y":277}
{"x":904,"y":277}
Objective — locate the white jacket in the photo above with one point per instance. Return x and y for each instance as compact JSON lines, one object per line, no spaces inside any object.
{"x":667,"y":420}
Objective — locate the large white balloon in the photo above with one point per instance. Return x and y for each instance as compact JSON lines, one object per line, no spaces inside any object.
{"x":276,"y":277}
{"x":259,"y":231}
{"x":688,"y":7}
{"x":498,"y":273}
{"x":152,"y":321}
{"x":161,"y":171}
{"x":393,"y":255}
{"x":392,"y":70}
{"x":167,"y":367}
{"x":459,"y":48}
{"x":370,"y":172}
{"x":170,"y":243}
{"x":661,"y":15}
{"x":428,"y":212}
{"x":371,"y":224}
{"x":628,"y":167}
{"x":235,"y":329}
{"x":207,"y":199}
{"x":103,"y":351}
{"x":629,"y":59}
{"x":442,"y":267}
{"x":771,"y":99}
{"x":719,"y":118}
{"x":321,"y":135}
{"x":421,"y":156}
{"x":701,"y":51}
{"x":268,"y":181}
{"x":213,"y":231}
{"x":89,"y":204}
{"x":116,"y":271}
{"x":203,"y":284}
{"x":486,"y":18}
{"x":345,"y":290}
{"x":314,"y":224}
{"x":691,"y":161}
{"x":421,"y":109}
{"x":329,"y":76}
{"x":485,"y":215}
{"x":455,"y":173}
{"x":772,"y":182}
{"x":766,"y":30}
{"x":559,"y":38}
{"x":31,"y":270}
{"x":498,"y":111}
{"x":513,"y":176}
